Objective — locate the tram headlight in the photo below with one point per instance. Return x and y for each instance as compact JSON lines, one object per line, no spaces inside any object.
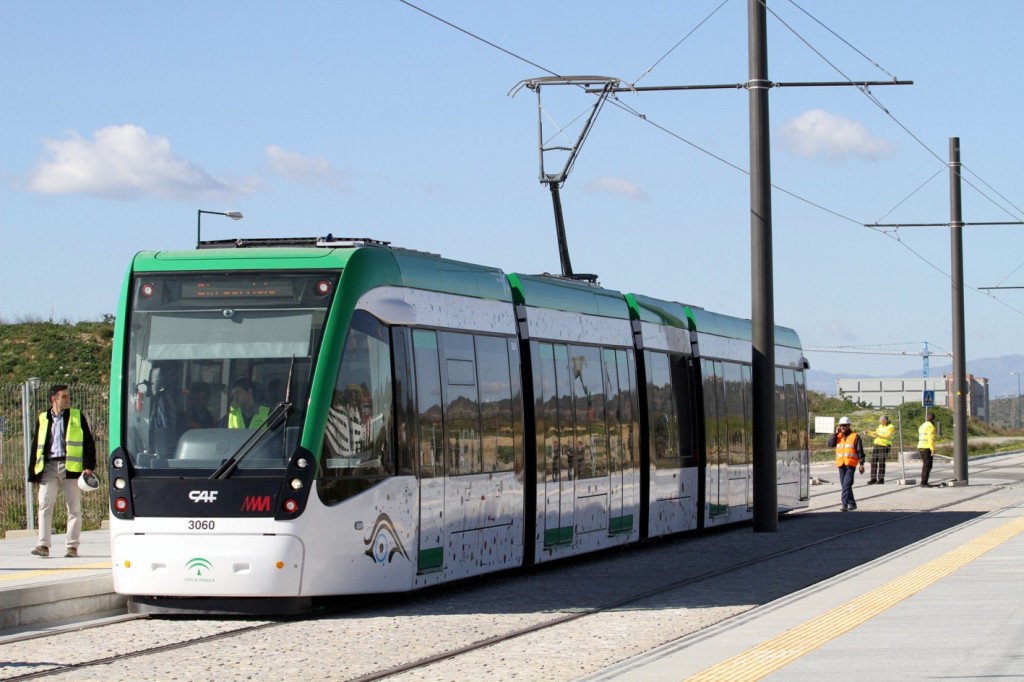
{"x":147,"y":290}
{"x":121,"y":504}
{"x":302,"y":463}
{"x":291,"y":506}
{"x":118,"y":462}
{"x":323,"y":287}
{"x":120,"y":483}
{"x":296,"y":484}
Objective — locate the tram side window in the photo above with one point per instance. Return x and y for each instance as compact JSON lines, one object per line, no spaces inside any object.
{"x":462,"y":404}
{"x":405,"y":401}
{"x":684,"y":387}
{"x":429,"y":414}
{"x":358,"y":442}
{"x":619,"y":399}
{"x":801,"y":410}
{"x":566,"y":413}
{"x":737,"y":429}
{"x":549,"y":461}
{"x":781,"y":430}
{"x":748,"y":410}
{"x":516,"y":387}
{"x":792,"y":410}
{"x":590,"y":450}
{"x":714,"y":409}
{"x":664,"y":424}
{"x":496,"y":404}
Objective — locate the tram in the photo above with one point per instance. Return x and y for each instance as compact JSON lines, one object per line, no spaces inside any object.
{"x":414,"y":420}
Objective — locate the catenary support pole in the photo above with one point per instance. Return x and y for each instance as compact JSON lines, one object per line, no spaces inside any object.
{"x":766,"y":516}
{"x":960,"y":393}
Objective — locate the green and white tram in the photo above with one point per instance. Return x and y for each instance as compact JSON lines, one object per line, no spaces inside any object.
{"x":301,"y":418}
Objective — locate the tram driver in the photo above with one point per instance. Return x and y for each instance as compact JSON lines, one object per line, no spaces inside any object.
{"x":244,"y":412}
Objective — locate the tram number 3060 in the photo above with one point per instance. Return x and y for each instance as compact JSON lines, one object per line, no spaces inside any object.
{"x":200,"y":524}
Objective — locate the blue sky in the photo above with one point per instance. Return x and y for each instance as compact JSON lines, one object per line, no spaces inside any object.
{"x":120,"y":120}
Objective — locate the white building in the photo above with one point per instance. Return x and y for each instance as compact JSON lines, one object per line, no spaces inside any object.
{"x":895,"y":392}
{"x":891,"y":392}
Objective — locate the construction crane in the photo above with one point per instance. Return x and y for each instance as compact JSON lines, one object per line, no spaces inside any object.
{"x":925,"y":353}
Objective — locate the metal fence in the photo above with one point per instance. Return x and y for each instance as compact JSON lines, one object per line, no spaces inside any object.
{"x":20,"y":405}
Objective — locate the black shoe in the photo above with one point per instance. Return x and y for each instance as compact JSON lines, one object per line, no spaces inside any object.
{"x":844,"y":509}
{"x":925,"y":485}
{"x":853,"y":507}
{"x":872,"y":482}
{"x":881,"y":481}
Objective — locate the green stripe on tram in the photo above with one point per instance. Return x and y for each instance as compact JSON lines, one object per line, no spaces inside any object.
{"x":620,"y":524}
{"x":431,"y":559}
{"x":558,"y":536}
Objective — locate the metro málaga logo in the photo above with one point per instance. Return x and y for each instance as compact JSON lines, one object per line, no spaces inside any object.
{"x":253,"y":503}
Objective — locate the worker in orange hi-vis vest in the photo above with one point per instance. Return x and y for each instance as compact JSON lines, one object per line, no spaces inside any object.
{"x":849,"y":458}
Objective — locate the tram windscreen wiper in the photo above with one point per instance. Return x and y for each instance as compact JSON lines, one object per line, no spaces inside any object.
{"x":274,"y":419}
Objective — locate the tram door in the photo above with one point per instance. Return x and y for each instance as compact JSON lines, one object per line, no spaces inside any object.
{"x":430,"y":453}
{"x":717,"y":468}
{"x":618,"y":373}
{"x":555,"y":430}
{"x":454,"y":493}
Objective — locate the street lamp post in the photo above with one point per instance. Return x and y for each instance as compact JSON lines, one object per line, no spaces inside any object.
{"x":1018,"y":397}
{"x":234,"y":215}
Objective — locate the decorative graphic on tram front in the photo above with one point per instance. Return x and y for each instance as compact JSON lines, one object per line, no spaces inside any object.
{"x":383,"y":543}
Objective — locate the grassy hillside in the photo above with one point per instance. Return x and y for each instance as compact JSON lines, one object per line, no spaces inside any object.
{"x":65,"y":352}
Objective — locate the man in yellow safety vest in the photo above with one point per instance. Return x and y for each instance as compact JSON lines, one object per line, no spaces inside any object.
{"x":63,"y":450}
{"x":245,"y":412}
{"x":926,"y":447}
{"x":883,"y":445}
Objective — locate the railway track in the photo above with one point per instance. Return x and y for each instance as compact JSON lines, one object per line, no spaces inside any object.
{"x":557,"y":612}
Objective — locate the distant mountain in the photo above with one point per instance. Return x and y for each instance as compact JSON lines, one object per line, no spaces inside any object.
{"x":996,"y":370}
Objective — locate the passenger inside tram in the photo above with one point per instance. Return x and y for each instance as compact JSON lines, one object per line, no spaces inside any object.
{"x":197,"y":414}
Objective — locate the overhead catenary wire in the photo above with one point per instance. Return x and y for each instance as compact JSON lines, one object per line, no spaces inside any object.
{"x":843,"y":40}
{"x":867,"y":92}
{"x":681,"y":41}
{"x":617,"y":102}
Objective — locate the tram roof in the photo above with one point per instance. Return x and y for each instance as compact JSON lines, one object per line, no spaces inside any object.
{"x":257,"y":258}
{"x":700,"y":320}
{"x":416,"y":269}
{"x":557,"y":293}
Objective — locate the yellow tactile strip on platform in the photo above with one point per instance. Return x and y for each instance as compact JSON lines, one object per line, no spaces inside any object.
{"x":775,"y":653}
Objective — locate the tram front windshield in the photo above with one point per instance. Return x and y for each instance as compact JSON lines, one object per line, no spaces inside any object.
{"x":209,"y":357}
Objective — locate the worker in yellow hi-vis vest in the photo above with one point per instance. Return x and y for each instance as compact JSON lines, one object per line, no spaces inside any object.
{"x":245,"y":412}
{"x":883,"y":445}
{"x":926,"y":447}
{"x":63,"y":451}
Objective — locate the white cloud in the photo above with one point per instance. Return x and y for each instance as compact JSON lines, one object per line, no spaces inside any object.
{"x":305,"y":169}
{"x":617,"y":187}
{"x":817,"y":133}
{"x":124,"y":162}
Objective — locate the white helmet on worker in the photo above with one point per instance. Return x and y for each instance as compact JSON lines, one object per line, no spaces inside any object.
{"x":88,"y":482}
{"x":844,"y":420}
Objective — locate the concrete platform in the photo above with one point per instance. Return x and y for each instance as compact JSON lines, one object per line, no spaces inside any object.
{"x":946,"y":607}
{"x":36,"y":590}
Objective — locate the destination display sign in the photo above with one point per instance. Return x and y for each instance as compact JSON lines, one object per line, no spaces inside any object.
{"x":229,"y":288}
